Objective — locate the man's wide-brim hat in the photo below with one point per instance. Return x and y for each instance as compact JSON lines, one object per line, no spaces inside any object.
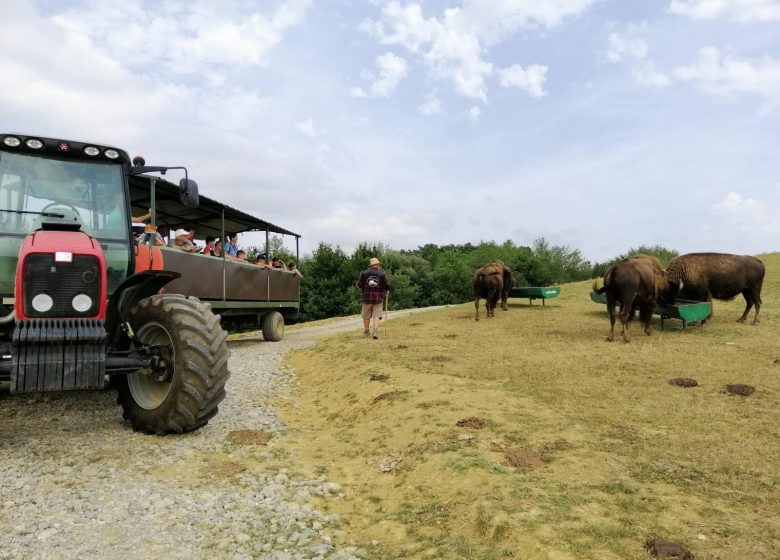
{"x":373,"y":261}
{"x":181,"y":232}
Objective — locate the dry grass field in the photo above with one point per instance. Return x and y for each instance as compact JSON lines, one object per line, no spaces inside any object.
{"x":529,"y":436}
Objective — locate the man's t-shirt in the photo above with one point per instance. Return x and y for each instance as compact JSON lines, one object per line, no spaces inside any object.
{"x":373,"y":284}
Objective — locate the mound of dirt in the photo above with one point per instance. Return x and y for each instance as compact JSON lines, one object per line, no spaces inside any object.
{"x":441,"y":359}
{"x":521,"y":457}
{"x":684,"y":382}
{"x":471,"y":422}
{"x":389,"y":396}
{"x":662,"y":548}
{"x":740,"y":389}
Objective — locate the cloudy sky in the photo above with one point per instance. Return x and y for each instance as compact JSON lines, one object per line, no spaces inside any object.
{"x":598,"y":124}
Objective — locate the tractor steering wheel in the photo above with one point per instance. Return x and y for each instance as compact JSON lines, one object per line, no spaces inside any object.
{"x":61,"y":205}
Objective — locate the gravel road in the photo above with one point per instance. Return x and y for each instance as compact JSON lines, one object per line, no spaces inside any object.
{"x":77,"y":482}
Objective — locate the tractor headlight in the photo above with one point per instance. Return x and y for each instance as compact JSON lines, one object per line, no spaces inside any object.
{"x":34,"y":143}
{"x":111,"y":154}
{"x":12,"y":141}
{"x":81,"y":303}
{"x":42,"y":303}
{"x":91,"y":151}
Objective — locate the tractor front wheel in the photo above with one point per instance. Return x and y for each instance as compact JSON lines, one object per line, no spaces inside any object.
{"x":183,"y":390}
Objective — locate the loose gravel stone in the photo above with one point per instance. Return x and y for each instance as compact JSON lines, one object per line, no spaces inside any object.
{"x":77,"y":483}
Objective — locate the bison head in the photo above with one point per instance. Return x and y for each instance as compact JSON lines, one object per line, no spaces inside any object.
{"x":670,"y":293}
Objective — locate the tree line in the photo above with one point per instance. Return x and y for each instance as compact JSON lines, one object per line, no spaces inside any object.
{"x":433,"y":274}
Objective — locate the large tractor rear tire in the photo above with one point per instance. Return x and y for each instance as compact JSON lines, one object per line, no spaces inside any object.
{"x":273,"y":326}
{"x":184,"y":394}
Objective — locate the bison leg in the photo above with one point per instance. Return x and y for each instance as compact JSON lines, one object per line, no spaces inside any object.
{"x":611,"y":310}
{"x":645,"y":315}
{"x":491,"y":303}
{"x":748,"y":306}
{"x":751,"y":298}
{"x":476,"y":308}
{"x":626,"y":312}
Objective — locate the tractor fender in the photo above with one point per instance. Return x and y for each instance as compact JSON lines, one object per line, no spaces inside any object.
{"x":135,"y":288}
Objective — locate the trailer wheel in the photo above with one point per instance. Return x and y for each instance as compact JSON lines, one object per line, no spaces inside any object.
{"x":273,"y":326}
{"x":183,"y":392}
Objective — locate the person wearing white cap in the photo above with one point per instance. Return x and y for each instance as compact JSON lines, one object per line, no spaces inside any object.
{"x":181,"y":241}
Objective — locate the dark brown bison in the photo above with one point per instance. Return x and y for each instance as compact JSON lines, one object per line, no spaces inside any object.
{"x":491,"y":282}
{"x":704,"y":276}
{"x":633,"y":283}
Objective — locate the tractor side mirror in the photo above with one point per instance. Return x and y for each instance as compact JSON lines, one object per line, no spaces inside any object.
{"x":188,"y":193}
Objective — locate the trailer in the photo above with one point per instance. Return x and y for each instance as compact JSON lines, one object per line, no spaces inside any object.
{"x":246,"y":296}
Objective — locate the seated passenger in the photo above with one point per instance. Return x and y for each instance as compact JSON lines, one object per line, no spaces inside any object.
{"x":181,"y":241}
{"x":231,"y":246}
{"x":292,"y":267}
{"x":144,"y":217}
{"x":262,"y":260}
{"x":241,"y":255}
{"x":276,"y":262}
{"x":208,"y":249}
{"x":217,"y":251}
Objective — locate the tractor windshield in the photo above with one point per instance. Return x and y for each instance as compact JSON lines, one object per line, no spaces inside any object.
{"x":33,"y":188}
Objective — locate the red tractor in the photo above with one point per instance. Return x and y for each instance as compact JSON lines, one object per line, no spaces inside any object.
{"x":76,"y":311}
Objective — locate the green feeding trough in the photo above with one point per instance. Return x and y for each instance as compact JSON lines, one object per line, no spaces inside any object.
{"x":535,"y":292}
{"x":685,"y":310}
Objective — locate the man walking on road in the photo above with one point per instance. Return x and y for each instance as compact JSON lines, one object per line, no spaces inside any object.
{"x":374,"y":287}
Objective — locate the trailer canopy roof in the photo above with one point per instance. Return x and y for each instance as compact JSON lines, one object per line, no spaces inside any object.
{"x":207,"y":217}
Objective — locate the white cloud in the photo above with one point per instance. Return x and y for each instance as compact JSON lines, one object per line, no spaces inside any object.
{"x":621,"y":47}
{"x":392,"y":69}
{"x":633,"y":51}
{"x":738,"y":10}
{"x":432,"y":105}
{"x":456,"y":44}
{"x":529,"y":79}
{"x":186,"y":37}
{"x":737,"y":207}
{"x":646,"y":74}
{"x":307,"y":128}
{"x":719,"y":74}
{"x":474,"y":113}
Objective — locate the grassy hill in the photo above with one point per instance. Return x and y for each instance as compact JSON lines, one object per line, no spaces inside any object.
{"x":568,"y":446}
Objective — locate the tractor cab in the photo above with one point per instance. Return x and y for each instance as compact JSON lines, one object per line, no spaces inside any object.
{"x":75,"y":311}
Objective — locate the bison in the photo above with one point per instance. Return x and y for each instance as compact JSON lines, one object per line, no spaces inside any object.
{"x":491,"y":282}
{"x":704,"y":276}
{"x":633,"y":283}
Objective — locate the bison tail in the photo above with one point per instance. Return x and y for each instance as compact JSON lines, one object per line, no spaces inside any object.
{"x":596,"y":288}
